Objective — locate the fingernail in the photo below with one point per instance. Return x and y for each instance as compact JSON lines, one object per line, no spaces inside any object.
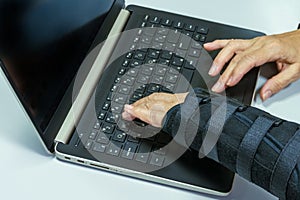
{"x":218,"y":87}
{"x":267,"y":94}
{"x":207,"y":44}
{"x":212,"y":70}
{"x":230,"y":81}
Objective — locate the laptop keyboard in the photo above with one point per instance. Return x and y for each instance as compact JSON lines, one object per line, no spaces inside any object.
{"x":159,"y":59}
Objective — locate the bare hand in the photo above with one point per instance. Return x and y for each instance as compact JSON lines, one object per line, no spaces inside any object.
{"x":284,"y":49}
{"x":152,"y":109}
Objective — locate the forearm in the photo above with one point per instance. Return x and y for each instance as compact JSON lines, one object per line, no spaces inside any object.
{"x":254,"y":144}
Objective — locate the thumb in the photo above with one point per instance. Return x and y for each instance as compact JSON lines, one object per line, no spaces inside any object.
{"x":280,"y":81}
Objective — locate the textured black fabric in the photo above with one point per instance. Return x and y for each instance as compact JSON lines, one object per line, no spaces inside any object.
{"x":249,"y":145}
{"x":285,"y":163}
{"x":263,"y":168}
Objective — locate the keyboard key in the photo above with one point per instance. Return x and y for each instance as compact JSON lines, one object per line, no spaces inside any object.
{"x":133,"y":139}
{"x":97,"y":125}
{"x":124,"y":89}
{"x":203,"y":30}
{"x":173,"y":36}
{"x":167,"y":22}
{"x":102,"y":115}
{"x":88,"y":144}
{"x":199,"y":37}
{"x":179,"y":25}
{"x":143,"y":152}
{"x":153,"y":53}
{"x":155,"y":20}
{"x":136,"y":63}
{"x":157,"y":45}
{"x":190,"y":27}
{"x":93,"y":134}
{"x":119,"y":136}
{"x":114,"y":88}
{"x":106,"y":106}
{"x":129,"y":150}
{"x":157,"y":79}
{"x":139,"y":55}
{"x":194,"y":53}
{"x":168,"y":87}
{"x":129,"y":55}
{"x":177,"y":61}
{"x":143,"y":79}
{"x":160,"y":38}
{"x":127,"y":80}
{"x":146,"y":39}
{"x":157,"y":160}
{"x":122,"y":71}
{"x":126,"y":63}
{"x":163,"y":31}
{"x":114,"y":149}
{"x":112,"y":118}
{"x":180,"y":53}
{"x":160,"y":70}
{"x":170,"y":47}
{"x":196,"y":45}
{"x":99,"y":147}
{"x":167,"y":55}
{"x":120,"y":98}
{"x":108,"y":128}
{"x":103,"y":138}
{"x":150,"y":31}
{"x":184,"y":42}
{"x":110,"y":95}
{"x":164,"y":62}
{"x":146,"y":18}
{"x":116,"y":108}
{"x":144,"y":24}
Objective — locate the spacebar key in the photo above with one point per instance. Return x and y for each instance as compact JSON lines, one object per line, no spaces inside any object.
{"x":185,"y":80}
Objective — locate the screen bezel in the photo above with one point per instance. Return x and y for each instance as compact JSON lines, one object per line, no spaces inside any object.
{"x":48,"y":135}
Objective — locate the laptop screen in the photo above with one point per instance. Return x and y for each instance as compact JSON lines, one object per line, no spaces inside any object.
{"x":42,"y":46}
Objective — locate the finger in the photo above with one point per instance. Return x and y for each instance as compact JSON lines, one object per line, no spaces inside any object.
{"x":140,"y":112}
{"x":280,"y":81}
{"x":226,"y":54}
{"x":215,"y":45}
{"x":244,"y":62}
{"x":128,"y":117}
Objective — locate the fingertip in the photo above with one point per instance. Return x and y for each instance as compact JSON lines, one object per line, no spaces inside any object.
{"x":266,"y":95}
{"x":218,"y":87}
{"x":127,"y":116}
{"x":128,"y":107}
{"x":213,"y":70}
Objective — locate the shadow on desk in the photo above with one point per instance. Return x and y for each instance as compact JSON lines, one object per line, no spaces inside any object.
{"x":269,"y":71}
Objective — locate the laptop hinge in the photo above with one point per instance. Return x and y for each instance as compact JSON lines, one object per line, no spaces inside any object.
{"x":92,"y":79}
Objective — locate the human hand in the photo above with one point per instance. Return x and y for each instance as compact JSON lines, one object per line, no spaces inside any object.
{"x":284,"y":49}
{"x":153,"y":108}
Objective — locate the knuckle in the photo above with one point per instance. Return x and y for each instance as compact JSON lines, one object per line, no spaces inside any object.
{"x":278,"y":84}
{"x":250,"y":59}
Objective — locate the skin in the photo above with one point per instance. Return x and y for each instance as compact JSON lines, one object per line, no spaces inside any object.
{"x":241,"y":56}
{"x":283,"y":49}
{"x":153,"y":108}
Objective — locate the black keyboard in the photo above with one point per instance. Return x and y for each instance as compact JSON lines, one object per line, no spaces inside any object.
{"x":161,"y":58}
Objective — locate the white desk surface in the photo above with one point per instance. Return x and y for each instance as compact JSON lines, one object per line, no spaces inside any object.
{"x":27,"y":172}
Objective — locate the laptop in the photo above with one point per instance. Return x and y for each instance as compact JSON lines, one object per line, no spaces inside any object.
{"x":73,"y":91}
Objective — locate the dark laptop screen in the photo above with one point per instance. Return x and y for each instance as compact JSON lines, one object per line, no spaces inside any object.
{"x":42,"y":45}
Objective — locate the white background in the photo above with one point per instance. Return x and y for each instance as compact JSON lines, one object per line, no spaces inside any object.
{"x":27,"y":172}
